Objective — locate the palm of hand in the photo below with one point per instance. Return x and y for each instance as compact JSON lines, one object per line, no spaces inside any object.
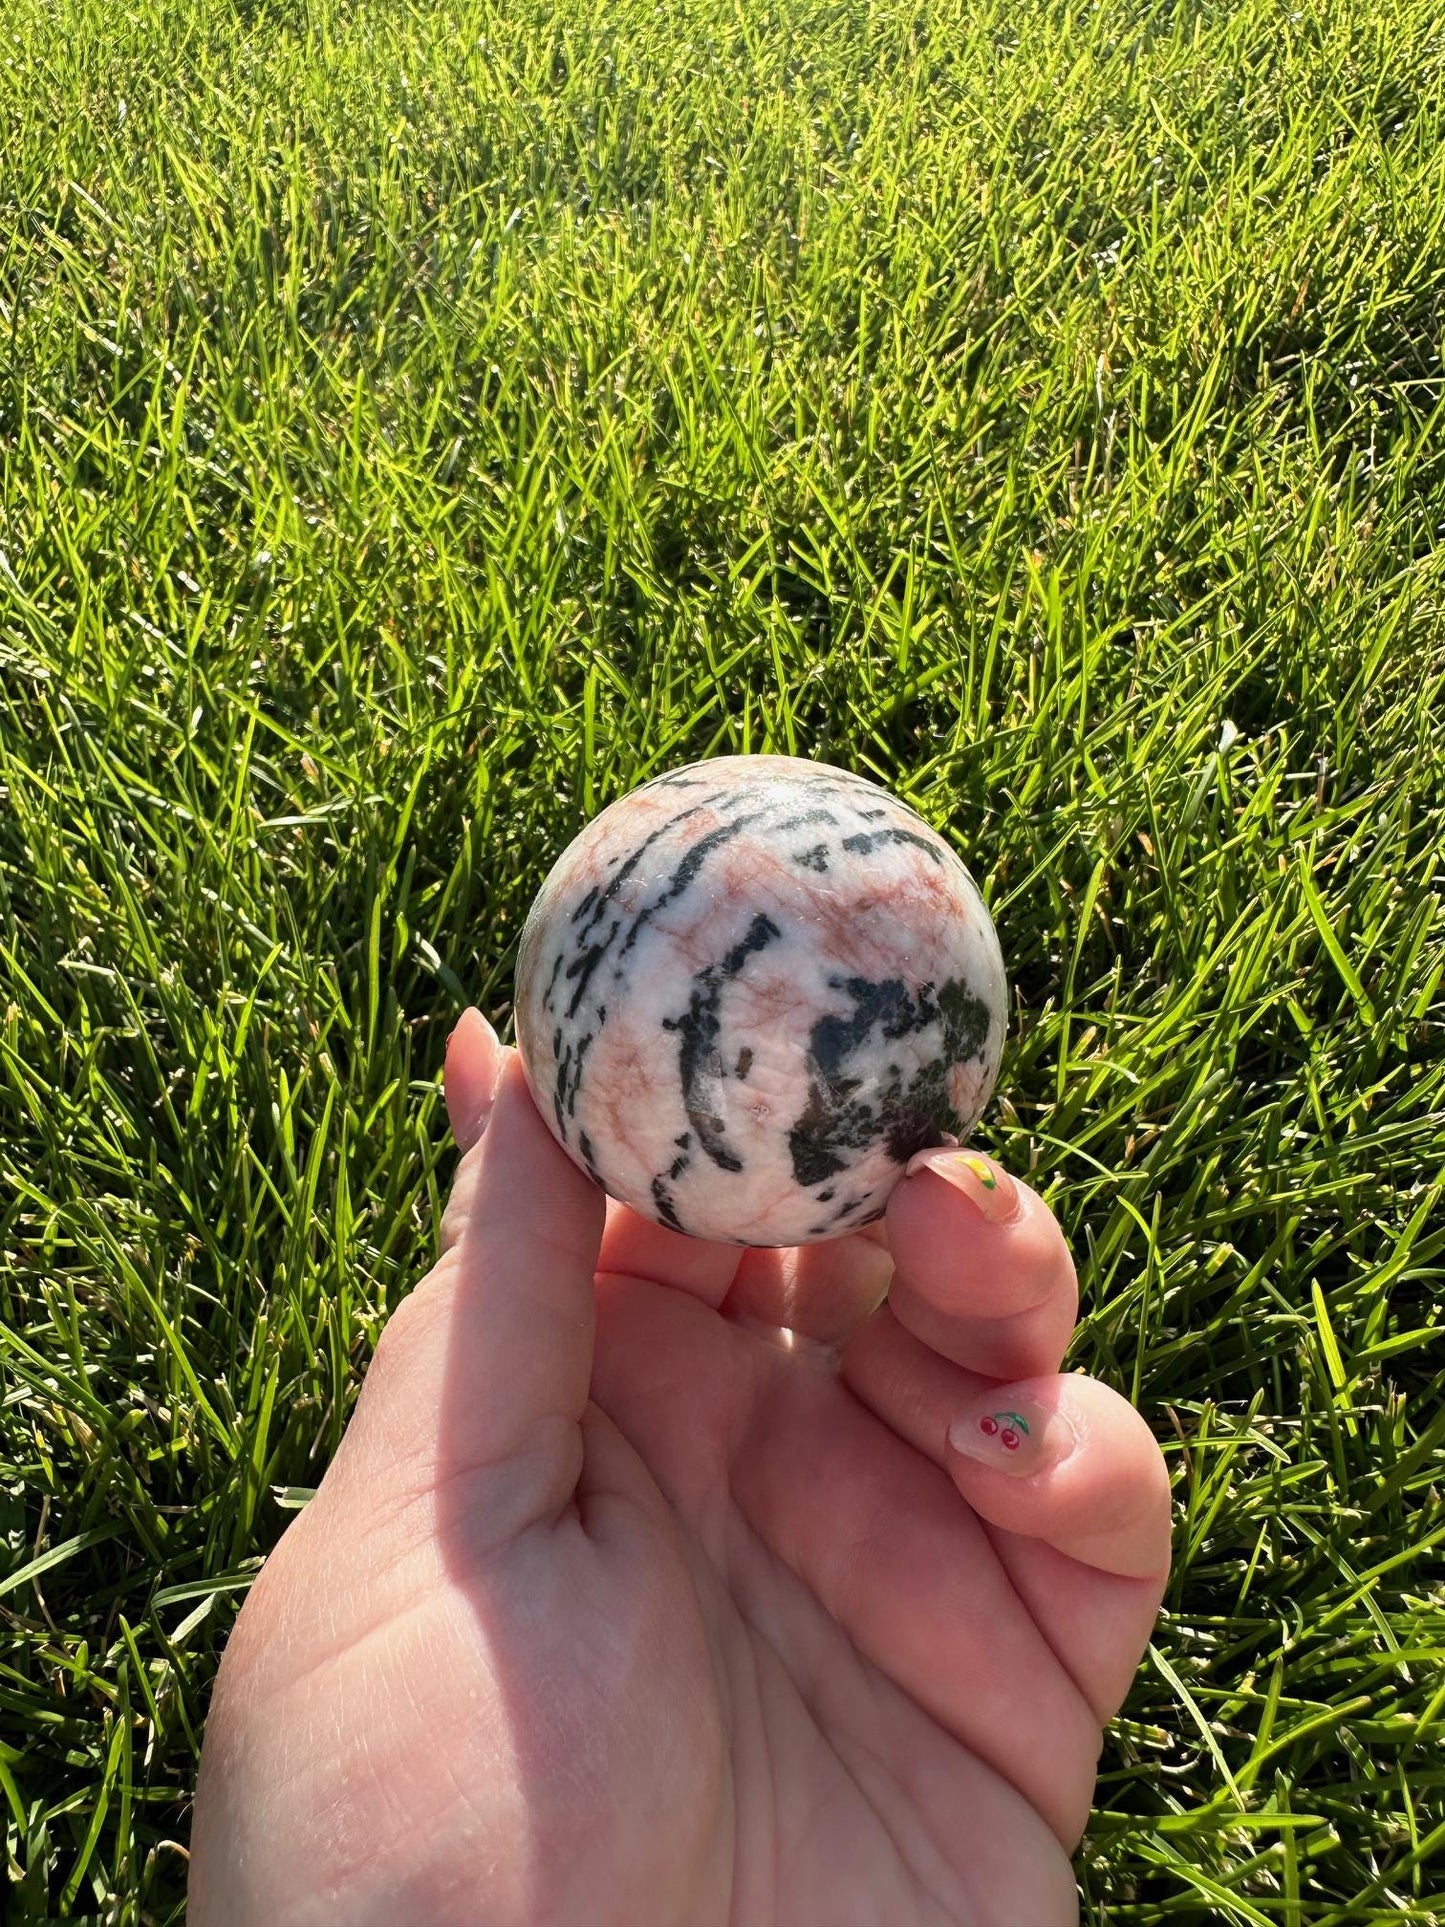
{"x":733,"y":1649}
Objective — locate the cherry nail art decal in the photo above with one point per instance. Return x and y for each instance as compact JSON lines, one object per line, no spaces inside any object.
{"x":1005,"y":1441}
{"x":1008,"y":1427}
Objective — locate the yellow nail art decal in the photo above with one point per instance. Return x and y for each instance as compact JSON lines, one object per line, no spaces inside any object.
{"x":986,"y":1184}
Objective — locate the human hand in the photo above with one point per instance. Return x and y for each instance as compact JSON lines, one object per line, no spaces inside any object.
{"x":646,"y":1587}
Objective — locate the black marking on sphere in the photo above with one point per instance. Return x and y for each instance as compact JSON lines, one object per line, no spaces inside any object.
{"x":677,"y":779}
{"x":594,"y":905}
{"x":699,"y":1062}
{"x":685,"y":874}
{"x":662,"y":1203}
{"x":569,"y":1062}
{"x":836,"y":1125}
{"x":803,"y":818}
{"x":866,"y":840}
{"x":584,"y":1145}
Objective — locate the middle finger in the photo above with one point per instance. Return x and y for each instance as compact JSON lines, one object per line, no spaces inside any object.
{"x":983,"y":1274}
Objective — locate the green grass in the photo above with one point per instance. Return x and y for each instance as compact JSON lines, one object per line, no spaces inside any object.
{"x":418,"y":424}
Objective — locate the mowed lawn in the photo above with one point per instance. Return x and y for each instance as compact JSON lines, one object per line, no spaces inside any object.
{"x":421,"y":422}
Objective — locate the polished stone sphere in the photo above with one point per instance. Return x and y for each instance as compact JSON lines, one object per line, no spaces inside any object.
{"x":750,"y":990}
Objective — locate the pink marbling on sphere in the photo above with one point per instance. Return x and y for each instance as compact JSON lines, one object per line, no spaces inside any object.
{"x":750,"y":990}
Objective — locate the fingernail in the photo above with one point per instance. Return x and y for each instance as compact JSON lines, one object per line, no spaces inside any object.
{"x":996,"y":1432}
{"x":990,"y":1187}
{"x":471,"y":1015}
{"x":468,"y":1126}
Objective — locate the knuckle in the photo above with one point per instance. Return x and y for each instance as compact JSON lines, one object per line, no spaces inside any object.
{"x":457,"y":1213}
{"x":404,"y":1327}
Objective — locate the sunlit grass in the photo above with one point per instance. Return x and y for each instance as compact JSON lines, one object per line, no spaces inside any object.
{"x":418,"y":425}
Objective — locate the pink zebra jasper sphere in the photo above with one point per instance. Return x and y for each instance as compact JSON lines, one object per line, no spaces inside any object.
{"x":750,"y":990}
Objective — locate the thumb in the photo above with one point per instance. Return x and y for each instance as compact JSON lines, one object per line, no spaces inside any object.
{"x":486,"y":1366}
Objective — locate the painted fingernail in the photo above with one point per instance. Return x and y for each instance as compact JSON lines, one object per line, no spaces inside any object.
{"x":998,"y":1433}
{"x":990,"y":1187}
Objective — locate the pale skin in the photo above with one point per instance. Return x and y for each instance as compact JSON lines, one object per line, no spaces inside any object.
{"x":647,"y":1588}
